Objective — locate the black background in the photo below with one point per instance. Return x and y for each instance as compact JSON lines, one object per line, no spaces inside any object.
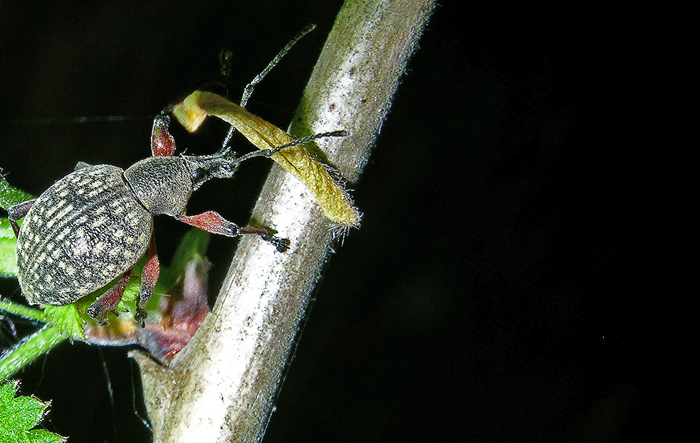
{"x":517,"y":273}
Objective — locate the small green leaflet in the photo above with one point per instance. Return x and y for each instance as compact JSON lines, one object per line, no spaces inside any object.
{"x":18,"y":415}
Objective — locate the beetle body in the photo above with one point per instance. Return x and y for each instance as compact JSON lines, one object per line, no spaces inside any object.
{"x":80,"y":234}
{"x":92,"y":226}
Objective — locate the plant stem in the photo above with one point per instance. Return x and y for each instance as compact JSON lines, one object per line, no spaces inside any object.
{"x":28,"y":350}
{"x":22,"y":310}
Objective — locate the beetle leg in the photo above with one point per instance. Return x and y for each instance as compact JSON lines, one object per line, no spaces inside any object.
{"x":109,"y":300}
{"x":162,"y":143}
{"x":149,"y":278}
{"x":213,"y":222}
{"x":18,"y":211}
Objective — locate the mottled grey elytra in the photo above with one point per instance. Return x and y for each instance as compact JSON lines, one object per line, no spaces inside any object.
{"x":82,"y":233}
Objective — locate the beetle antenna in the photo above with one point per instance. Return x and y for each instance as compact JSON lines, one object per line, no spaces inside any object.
{"x":248,"y":91}
{"x":299,"y":141}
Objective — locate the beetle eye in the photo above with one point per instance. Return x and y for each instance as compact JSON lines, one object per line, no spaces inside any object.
{"x":199,"y":176}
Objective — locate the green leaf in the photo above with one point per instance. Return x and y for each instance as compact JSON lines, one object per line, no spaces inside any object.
{"x":44,"y":436}
{"x":67,"y":320}
{"x":9,"y":196}
{"x":194,"y":243}
{"x":18,"y":415}
{"x":7,"y":391}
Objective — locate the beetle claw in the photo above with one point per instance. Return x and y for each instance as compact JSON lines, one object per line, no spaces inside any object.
{"x":281,"y":244}
{"x":140,"y":316}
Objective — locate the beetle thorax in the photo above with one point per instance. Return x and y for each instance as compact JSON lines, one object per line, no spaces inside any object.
{"x":162,"y":184}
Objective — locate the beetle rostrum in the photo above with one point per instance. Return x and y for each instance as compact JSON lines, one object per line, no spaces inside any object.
{"x":93,"y":225}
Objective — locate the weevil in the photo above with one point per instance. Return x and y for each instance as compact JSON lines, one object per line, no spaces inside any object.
{"x":91,"y":227}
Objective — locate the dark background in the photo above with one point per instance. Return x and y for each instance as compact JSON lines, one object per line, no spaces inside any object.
{"x":517,"y":273}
